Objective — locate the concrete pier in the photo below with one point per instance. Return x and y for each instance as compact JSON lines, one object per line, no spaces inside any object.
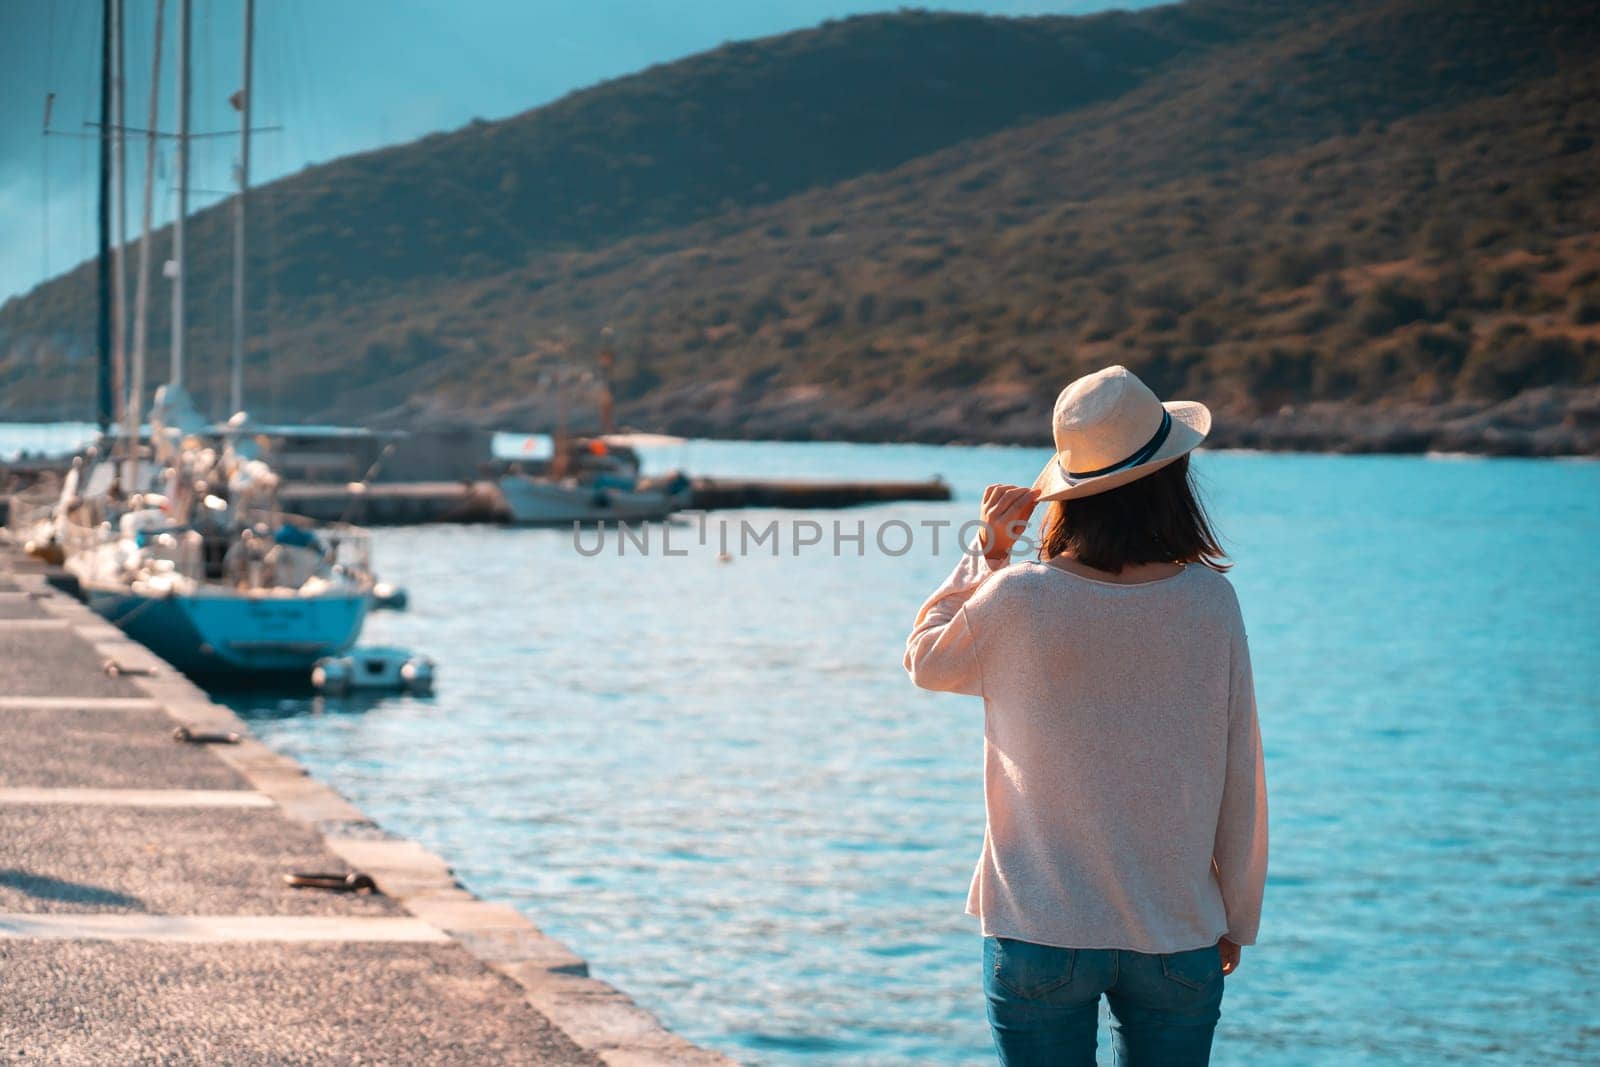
{"x":396,"y":504}
{"x":145,"y":917}
{"x":406,"y":503}
{"x":474,"y":500}
{"x":715,"y":494}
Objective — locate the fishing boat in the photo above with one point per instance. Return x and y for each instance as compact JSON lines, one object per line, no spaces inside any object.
{"x":589,"y":479}
{"x":592,"y":479}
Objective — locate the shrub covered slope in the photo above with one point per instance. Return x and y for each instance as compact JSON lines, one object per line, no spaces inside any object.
{"x":1377,"y":213}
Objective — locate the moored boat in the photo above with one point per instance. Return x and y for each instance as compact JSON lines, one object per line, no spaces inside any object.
{"x":592,"y":479}
{"x":542,"y":501}
{"x":179,"y":541}
{"x":251,"y":598}
{"x":213,"y":633}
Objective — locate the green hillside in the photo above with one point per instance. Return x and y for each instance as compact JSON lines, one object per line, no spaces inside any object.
{"x":920,"y":226}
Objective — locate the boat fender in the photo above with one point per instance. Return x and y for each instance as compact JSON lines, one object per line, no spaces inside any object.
{"x":416,"y":675}
{"x":354,"y":882}
{"x":114,"y":669}
{"x":331,"y":675}
{"x":192,"y":737}
{"x":390,"y":597}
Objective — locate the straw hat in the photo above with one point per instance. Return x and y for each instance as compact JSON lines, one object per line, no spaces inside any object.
{"x":1111,"y":429}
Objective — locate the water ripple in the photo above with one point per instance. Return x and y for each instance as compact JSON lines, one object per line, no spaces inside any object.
{"x":714,"y":782}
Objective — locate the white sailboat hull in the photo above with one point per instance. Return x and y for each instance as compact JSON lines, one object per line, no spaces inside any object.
{"x":540,"y":502}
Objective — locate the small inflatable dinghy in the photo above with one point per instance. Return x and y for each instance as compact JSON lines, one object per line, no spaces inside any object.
{"x":367,"y":669}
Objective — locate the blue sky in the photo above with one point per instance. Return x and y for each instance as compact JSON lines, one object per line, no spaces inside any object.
{"x":340,"y":76}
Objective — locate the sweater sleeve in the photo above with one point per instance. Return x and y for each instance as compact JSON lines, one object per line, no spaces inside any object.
{"x":941,"y":652}
{"x":1240,"y":853}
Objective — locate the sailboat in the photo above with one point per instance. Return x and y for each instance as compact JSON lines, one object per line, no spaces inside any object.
{"x":181,"y":543}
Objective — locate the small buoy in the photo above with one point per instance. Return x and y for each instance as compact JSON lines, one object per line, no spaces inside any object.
{"x":724,"y":557}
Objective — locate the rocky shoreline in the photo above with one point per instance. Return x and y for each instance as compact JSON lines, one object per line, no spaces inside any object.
{"x":1545,"y":422}
{"x":1550,"y":421}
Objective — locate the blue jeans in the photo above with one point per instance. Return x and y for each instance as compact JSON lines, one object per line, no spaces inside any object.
{"x":1044,"y":1004}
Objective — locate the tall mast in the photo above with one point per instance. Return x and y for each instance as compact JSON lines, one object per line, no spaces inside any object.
{"x":141,"y":298}
{"x":119,"y":182}
{"x":236,"y":392}
{"x":103,"y":318}
{"x":179,"y":268}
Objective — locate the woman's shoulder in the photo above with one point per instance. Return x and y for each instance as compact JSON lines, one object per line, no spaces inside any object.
{"x":1032,"y":579}
{"x":1016,"y":577}
{"x":1212,"y":581}
{"x":1019,"y":580}
{"x":1215,"y":590}
{"x":1016,"y":596}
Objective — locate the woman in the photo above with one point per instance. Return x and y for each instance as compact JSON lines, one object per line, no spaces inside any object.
{"x":1125,"y":848}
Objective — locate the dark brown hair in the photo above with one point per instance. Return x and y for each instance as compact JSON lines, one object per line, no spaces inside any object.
{"x":1154,"y":519}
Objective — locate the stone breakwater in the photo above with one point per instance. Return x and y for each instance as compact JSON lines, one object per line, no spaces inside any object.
{"x":145,"y":915}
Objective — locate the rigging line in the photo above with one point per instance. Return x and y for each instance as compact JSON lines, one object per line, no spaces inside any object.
{"x":292,"y":86}
{"x":83,"y":74}
{"x":50,"y":43}
{"x":272,"y":290}
{"x":87,"y":78}
{"x":166,"y":136}
{"x":135,"y":418}
{"x":44,"y":155}
{"x":119,"y":163}
{"x":105,"y":384}
{"x":470,"y":200}
{"x":216,"y":294}
{"x":83,"y":197}
{"x":491,"y":66}
{"x":268,"y":55}
{"x":44,"y":180}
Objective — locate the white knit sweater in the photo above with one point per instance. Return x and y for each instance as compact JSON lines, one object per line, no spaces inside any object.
{"x":1123,"y":778}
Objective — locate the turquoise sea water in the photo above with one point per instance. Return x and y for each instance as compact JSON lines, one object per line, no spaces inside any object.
{"x":47,"y":438}
{"x":713,"y":780}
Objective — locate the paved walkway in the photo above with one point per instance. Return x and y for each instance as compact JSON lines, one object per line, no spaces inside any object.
{"x":144,"y":916}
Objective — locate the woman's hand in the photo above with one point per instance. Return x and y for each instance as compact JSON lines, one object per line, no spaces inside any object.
{"x":1004,"y":514}
{"x":1230,"y":955}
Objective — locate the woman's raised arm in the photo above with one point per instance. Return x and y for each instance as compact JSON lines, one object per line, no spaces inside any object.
{"x":941,"y":653}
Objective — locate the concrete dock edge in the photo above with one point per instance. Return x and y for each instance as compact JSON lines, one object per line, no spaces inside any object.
{"x":597,"y":1017}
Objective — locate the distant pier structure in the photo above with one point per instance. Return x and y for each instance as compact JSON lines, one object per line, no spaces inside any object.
{"x":400,"y":478}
